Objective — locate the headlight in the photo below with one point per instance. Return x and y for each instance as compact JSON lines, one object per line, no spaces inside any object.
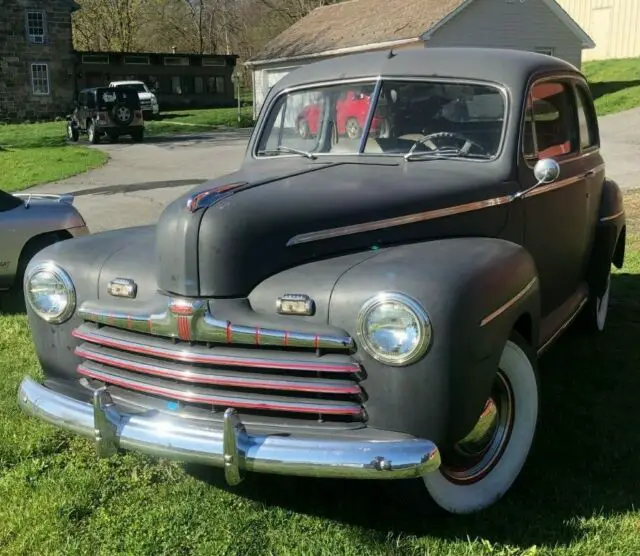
{"x":394,"y":329}
{"x":50,"y":292}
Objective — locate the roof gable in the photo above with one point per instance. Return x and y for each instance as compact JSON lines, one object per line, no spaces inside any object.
{"x":330,"y":30}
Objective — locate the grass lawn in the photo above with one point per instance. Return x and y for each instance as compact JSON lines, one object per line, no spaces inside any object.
{"x":38,"y":153}
{"x":578,"y":494}
{"x":615,"y":84}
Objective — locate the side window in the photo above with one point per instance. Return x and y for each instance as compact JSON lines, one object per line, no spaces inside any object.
{"x":586,"y":119}
{"x":555,"y":132}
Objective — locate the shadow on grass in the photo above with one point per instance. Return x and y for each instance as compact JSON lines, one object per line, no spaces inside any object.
{"x":600,"y":89}
{"x":584,"y":461}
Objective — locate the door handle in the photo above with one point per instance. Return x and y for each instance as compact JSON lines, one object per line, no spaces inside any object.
{"x":589,"y":174}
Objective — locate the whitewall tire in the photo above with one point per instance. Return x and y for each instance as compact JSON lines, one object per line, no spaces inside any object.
{"x":481,"y":468}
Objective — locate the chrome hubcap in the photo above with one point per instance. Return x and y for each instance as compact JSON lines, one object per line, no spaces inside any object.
{"x":476,"y":454}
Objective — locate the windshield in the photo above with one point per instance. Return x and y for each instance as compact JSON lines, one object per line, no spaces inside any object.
{"x":136,"y":86}
{"x":412,"y":119}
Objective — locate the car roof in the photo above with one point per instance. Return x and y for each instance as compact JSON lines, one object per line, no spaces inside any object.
{"x":508,"y":67}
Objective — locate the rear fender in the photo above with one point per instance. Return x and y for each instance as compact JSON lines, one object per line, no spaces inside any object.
{"x":609,"y":238}
{"x":476,"y":291}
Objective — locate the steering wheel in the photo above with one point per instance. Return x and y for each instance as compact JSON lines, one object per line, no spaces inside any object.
{"x":426,"y":140}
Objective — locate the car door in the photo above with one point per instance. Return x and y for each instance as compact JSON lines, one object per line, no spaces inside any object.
{"x":555,"y":214}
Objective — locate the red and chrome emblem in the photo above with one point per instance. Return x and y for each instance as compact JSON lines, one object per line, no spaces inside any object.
{"x":184,"y":311}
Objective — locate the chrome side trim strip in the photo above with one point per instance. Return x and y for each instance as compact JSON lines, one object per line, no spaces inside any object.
{"x":215,"y":377}
{"x":509,"y":303}
{"x":397,"y":221}
{"x":430,"y":214}
{"x":557,"y":333}
{"x":612,"y":216}
{"x":220,"y":398}
{"x":167,"y":436}
{"x":191,"y":321}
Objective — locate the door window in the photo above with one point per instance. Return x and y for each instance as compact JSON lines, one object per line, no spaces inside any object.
{"x":586,"y":119}
{"x":552,"y":109}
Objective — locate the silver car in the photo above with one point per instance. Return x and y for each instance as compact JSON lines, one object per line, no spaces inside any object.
{"x":30,"y":222}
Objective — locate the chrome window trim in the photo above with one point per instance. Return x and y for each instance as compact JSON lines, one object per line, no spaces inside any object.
{"x":572,"y":79}
{"x":378,"y":82}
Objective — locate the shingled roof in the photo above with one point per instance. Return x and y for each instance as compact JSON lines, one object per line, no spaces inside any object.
{"x":357,"y":23}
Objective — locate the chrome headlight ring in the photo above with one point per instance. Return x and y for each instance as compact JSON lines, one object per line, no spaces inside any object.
{"x":416,"y":333}
{"x":50,"y":292}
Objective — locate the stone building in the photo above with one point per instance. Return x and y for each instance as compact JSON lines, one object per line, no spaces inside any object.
{"x":36,"y":59}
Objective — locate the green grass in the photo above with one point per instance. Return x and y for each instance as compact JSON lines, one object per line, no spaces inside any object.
{"x":615,"y":84}
{"x":577,"y":495}
{"x":194,"y":121}
{"x":39,"y":153}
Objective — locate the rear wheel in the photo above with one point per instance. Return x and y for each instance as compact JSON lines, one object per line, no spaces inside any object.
{"x":479,"y":469}
{"x":352,"y":128}
{"x":72,"y":132}
{"x":594,"y":315}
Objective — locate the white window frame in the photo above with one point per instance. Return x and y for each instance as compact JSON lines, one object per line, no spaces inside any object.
{"x":45,"y":80}
{"x":36,"y":39}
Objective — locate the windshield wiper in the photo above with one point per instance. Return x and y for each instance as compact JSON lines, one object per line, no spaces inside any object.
{"x":282,"y":149}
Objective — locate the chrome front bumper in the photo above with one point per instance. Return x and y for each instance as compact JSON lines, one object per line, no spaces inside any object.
{"x":229,"y":447}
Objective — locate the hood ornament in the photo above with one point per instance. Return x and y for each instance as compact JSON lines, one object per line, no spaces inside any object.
{"x":209,"y":197}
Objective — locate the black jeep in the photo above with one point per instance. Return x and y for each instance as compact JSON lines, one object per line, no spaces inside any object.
{"x":110,"y":110}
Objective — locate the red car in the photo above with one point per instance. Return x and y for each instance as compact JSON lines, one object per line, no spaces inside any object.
{"x":351,"y":109}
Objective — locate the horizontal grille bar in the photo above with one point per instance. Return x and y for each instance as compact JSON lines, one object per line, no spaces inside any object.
{"x":192,"y":321}
{"x":222,"y":399}
{"x":209,"y":356}
{"x":215,"y":377}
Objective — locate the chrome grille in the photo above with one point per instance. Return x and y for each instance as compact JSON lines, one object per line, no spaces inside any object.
{"x":291,"y":382}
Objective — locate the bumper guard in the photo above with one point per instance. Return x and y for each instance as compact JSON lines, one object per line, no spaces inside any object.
{"x":229,"y":447}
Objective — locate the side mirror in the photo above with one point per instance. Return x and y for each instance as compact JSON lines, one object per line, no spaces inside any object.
{"x":546,"y":170}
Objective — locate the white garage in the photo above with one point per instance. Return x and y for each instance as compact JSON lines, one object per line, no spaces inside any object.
{"x":369,"y":25}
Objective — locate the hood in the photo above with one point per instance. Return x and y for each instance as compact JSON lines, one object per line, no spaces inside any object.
{"x":243,"y":231}
{"x":145,"y":96}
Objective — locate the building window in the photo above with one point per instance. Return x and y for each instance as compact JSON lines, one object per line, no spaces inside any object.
{"x":214,"y":62}
{"x":40,"y":79}
{"x":36,"y":26}
{"x":176,"y":61}
{"x":176,"y":85}
{"x":545,"y":50}
{"x":136,"y":60}
{"x":198,"y":84}
{"x":220,"y":84}
{"x":95,"y":58}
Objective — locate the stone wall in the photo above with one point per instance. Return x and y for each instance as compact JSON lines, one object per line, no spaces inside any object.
{"x":17,"y":101}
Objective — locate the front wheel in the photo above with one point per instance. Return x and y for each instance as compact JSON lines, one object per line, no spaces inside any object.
{"x":92,"y":134}
{"x":479,"y":469}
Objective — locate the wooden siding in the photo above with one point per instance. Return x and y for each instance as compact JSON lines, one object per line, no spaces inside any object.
{"x":614,"y":25}
{"x":527,"y":25}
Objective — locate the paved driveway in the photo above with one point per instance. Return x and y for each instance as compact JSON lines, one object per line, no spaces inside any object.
{"x":141,"y":179}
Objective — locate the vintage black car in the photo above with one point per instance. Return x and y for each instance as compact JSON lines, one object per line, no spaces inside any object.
{"x":114,"y":111}
{"x":367,"y":307}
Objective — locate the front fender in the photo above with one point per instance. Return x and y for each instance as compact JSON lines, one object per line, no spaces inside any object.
{"x":476,"y":290}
